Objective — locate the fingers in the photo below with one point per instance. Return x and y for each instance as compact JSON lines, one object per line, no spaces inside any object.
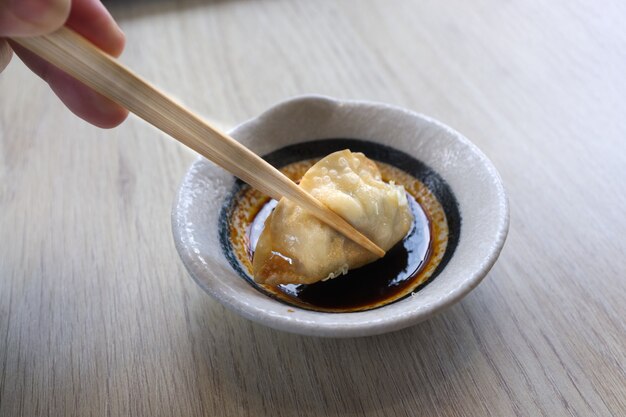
{"x":84,"y":102}
{"x":32,"y":17}
{"x":92,"y":20}
{"x":80,"y":99}
{"x":5,"y":54}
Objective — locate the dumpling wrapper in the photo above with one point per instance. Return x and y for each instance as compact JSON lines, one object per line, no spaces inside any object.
{"x":297,"y":248}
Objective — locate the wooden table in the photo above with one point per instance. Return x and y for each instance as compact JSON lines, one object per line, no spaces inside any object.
{"x":99,"y":318}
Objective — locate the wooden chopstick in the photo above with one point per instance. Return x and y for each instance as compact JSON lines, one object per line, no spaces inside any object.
{"x":84,"y":61}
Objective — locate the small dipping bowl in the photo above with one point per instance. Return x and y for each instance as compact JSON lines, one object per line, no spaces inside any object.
{"x":464,"y":181}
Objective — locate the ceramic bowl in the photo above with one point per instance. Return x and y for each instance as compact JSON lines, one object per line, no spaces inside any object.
{"x":478,"y":201}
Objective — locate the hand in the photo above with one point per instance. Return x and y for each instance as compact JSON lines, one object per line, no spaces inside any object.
{"x":87,"y":17}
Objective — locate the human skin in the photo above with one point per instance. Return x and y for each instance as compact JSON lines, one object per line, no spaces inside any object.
{"x":89,"y":18}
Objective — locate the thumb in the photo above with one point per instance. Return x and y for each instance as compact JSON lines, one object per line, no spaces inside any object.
{"x":32,"y":17}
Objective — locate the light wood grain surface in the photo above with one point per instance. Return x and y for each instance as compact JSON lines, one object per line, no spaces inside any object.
{"x":99,"y":318}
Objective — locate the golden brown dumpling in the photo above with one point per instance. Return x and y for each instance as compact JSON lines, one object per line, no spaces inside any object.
{"x":295,"y":247}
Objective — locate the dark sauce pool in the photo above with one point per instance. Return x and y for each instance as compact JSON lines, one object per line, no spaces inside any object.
{"x":406,"y":268}
{"x":369,"y":284}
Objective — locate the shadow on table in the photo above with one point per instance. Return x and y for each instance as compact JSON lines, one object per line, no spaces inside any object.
{"x":426,"y":365}
{"x":124,"y":9}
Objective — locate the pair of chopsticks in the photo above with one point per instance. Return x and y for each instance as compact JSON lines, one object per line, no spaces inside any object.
{"x":104,"y":74}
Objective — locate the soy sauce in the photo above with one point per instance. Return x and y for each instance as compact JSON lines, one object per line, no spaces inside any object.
{"x":370,"y":286}
{"x":406,"y":268}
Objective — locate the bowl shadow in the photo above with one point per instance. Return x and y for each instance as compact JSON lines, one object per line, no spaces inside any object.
{"x":262,"y":369}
